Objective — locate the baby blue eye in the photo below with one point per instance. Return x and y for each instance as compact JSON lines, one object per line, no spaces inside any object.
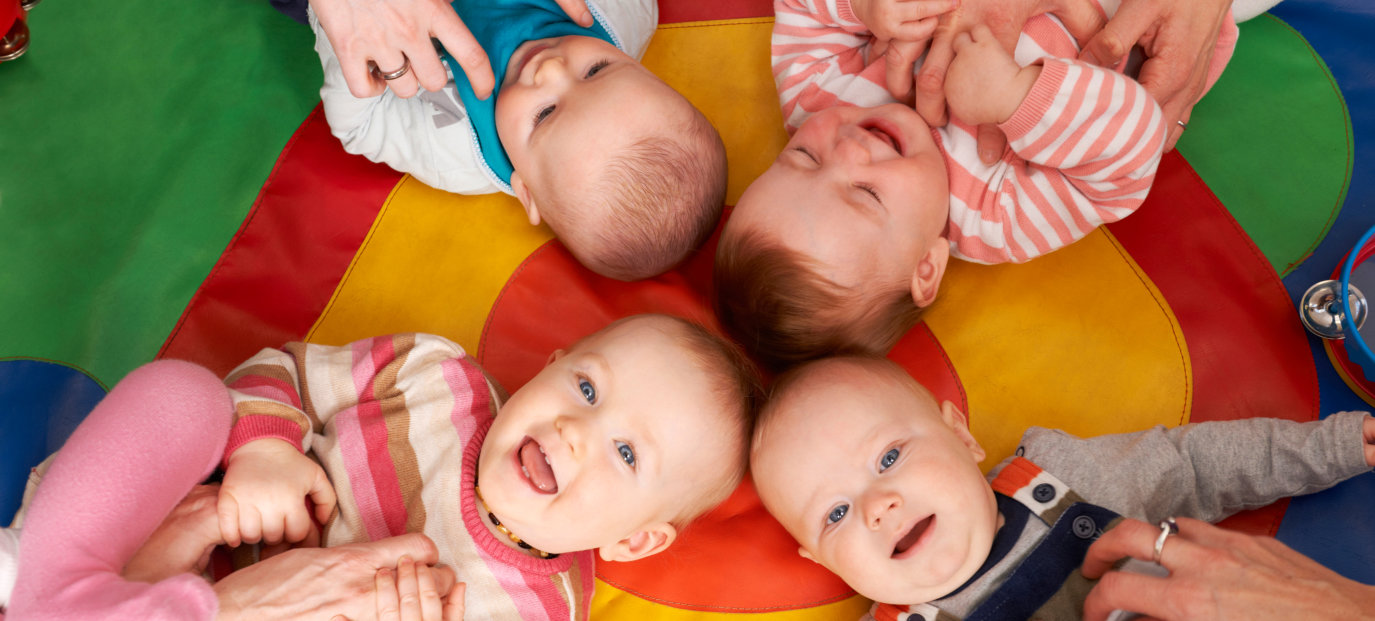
{"x":837,"y":514}
{"x":589,"y":391}
{"x":627,"y":453}
{"x":889,"y":458}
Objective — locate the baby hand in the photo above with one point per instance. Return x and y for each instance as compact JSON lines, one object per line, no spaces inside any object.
{"x":182,"y":543}
{"x":262,"y":495}
{"x":905,"y":20}
{"x":985,"y":84}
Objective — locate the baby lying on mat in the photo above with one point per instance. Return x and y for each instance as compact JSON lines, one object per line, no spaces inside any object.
{"x":628,"y":174}
{"x":614,"y":446}
{"x":845,"y":238}
{"x":881,"y":485}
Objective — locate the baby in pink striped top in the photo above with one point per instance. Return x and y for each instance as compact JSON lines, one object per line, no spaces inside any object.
{"x":845,"y":238}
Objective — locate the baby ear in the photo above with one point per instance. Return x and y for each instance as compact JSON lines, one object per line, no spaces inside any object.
{"x":802,"y":552}
{"x":647,"y":541}
{"x":526,"y":199}
{"x":956,"y":420}
{"x":558,"y":353}
{"x":926,"y":277}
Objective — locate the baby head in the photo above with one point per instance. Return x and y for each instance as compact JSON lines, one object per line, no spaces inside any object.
{"x":622,"y":440}
{"x":628,"y":174}
{"x":875,"y":480}
{"x":837,"y":246}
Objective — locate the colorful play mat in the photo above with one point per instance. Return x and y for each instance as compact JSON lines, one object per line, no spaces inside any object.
{"x":169,"y":189}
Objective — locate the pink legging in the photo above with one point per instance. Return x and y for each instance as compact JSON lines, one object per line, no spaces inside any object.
{"x":154,"y":437}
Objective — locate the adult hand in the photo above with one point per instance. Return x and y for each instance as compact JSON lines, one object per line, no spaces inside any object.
{"x":1217,"y":574}
{"x":319,"y":582}
{"x":182,"y":543}
{"x":410,"y":593}
{"x":901,"y":30}
{"x":1178,"y":37}
{"x":392,"y":34}
{"x":1005,"y":18}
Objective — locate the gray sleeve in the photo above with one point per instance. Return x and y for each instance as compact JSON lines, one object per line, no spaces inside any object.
{"x":1203,"y":470}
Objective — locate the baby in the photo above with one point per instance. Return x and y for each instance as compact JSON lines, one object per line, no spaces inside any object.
{"x":628,"y":174}
{"x":614,"y":446}
{"x":845,"y":238}
{"x":881,"y":485}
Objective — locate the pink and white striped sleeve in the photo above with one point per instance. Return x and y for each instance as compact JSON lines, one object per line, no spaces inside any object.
{"x":1085,"y":146}
{"x":820,"y":59}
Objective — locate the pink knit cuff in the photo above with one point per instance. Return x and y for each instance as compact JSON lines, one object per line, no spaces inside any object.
{"x":257,"y":426}
{"x":1039,"y":101}
{"x":846,"y":13}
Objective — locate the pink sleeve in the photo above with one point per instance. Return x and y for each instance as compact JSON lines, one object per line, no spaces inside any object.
{"x":156,"y":435}
{"x":820,"y":59}
{"x":1085,"y":146}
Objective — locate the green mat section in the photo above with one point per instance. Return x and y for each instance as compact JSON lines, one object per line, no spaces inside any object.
{"x":136,"y":136}
{"x":1273,"y":140}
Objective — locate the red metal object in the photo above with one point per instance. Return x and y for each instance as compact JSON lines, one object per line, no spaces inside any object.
{"x":15,"y":40}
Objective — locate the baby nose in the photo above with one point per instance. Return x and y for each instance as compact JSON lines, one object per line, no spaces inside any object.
{"x":851,"y":148}
{"x":879,"y":505}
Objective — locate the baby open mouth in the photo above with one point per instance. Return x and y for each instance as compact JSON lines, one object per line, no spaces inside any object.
{"x":534,"y":464}
{"x":913,"y":535}
{"x":885,"y":133}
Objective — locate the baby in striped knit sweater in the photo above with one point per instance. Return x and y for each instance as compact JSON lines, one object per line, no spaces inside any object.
{"x":609,"y":450}
{"x":845,"y":238}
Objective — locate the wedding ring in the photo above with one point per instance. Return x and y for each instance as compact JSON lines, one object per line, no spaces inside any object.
{"x":1182,"y":125}
{"x":392,"y":75}
{"x":1167,"y":527}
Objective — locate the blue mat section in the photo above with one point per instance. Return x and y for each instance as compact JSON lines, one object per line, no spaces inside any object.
{"x":40,"y":404}
{"x":1337,"y":527}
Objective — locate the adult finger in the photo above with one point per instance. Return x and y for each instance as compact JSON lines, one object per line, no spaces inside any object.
{"x":408,"y":590}
{"x":388,"y":600}
{"x":1083,"y":19}
{"x":454,"y":604}
{"x":431,"y":604}
{"x":577,"y":9}
{"x":930,"y":82}
{"x":362,"y":81}
{"x":398,"y":64}
{"x":1130,"y":538}
{"x":992,"y":142}
{"x":385,"y":552}
{"x":1138,"y":593}
{"x":459,"y":43}
{"x":426,"y":65}
{"x":228,"y":510}
{"x":1117,"y":37}
{"x":900,"y":58}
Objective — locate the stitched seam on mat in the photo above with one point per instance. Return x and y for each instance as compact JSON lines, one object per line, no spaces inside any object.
{"x":1176,"y":327}
{"x":491,"y":312}
{"x":1350,"y":151}
{"x":362,"y":248}
{"x":195,"y":300}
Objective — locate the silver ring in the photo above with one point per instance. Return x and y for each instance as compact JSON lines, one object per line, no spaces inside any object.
{"x":1182,"y":125}
{"x":392,"y":75}
{"x":1167,"y":527}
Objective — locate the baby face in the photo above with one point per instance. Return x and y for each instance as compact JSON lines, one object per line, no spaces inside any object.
{"x":608,"y":438}
{"x":570,"y":103}
{"x":862,"y":191}
{"x":877,"y":483}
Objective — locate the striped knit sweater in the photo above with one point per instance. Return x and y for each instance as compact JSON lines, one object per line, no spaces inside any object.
{"x":397,"y":422}
{"x":1085,"y":142}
